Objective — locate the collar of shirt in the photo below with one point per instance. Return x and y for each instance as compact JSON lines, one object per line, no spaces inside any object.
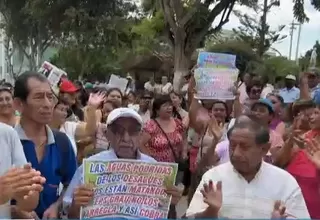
{"x":288,"y":90}
{"x":22,"y":135}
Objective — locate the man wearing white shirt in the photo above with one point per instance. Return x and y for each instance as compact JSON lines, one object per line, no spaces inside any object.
{"x":150,"y":86}
{"x":166,"y":87}
{"x":246,"y":187}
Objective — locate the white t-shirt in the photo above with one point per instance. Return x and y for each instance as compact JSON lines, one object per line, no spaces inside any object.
{"x":166,"y":89}
{"x":11,"y":154}
{"x":149,"y":87}
{"x":69,"y":128}
{"x":253,"y":200}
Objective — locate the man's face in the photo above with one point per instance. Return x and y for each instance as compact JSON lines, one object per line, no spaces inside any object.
{"x":245,"y":154}
{"x":313,"y":80}
{"x":124,"y":136}
{"x":289,"y":83}
{"x":40,"y":102}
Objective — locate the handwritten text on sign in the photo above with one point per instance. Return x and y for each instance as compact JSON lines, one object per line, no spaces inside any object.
{"x":127,"y":188}
{"x":216,"y":60}
{"x":215,"y":83}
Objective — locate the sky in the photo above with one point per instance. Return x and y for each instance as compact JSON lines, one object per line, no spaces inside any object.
{"x":282,"y":15}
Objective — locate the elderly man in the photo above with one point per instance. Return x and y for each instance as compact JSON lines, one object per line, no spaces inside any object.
{"x":245,"y":187}
{"x":123,"y":132}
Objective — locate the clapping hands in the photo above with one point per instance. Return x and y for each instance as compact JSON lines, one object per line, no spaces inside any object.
{"x":20,"y":183}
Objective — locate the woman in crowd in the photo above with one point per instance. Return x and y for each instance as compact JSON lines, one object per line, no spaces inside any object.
{"x":7,"y":112}
{"x":180,"y":105}
{"x":76,"y":130}
{"x":164,"y":137}
{"x":132,"y":101}
{"x":115,"y":95}
{"x":277,"y":124}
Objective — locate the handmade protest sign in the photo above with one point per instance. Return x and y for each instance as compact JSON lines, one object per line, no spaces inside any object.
{"x":52,"y":73}
{"x":118,"y":82}
{"x":216,"y":60}
{"x":128,"y":189}
{"x":215,"y":83}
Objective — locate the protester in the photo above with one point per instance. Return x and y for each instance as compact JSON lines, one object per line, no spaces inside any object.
{"x":290,"y":93}
{"x":237,"y":189}
{"x":166,"y":87}
{"x":7,"y":112}
{"x":48,"y":151}
{"x":124,"y":132}
{"x":115,"y":95}
{"x":145,"y":106}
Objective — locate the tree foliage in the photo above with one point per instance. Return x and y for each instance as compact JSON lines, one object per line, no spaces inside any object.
{"x":304,"y":62}
{"x":96,"y":35}
{"x":256,"y":32}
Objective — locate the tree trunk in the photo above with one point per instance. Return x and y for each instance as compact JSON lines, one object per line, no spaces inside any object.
{"x":181,"y":63}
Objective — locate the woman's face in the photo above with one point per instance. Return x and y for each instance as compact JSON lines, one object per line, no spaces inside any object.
{"x":107,"y":108}
{"x":276,"y":104}
{"x":60,"y":113}
{"x":314,"y":118}
{"x":131,"y":98}
{"x":220,"y":112}
{"x":6,"y":102}
{"x":165,"y":110}
{"x":255,"y":93}
{"x":176,"y":101}
{"x":115,"y":97}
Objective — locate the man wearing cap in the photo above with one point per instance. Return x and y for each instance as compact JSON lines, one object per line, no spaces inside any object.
{"x":290,"y":93}
{"x":123,"y":132}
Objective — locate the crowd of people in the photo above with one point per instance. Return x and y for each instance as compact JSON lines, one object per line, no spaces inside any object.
{"x":257,"y":156}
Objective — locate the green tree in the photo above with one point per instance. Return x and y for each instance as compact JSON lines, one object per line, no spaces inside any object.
{"x":186,"y":24}
{"x":304,"y":62}
{"x":32,"y":25}
{"x":257,"y":33}
{"x":96,"y":35}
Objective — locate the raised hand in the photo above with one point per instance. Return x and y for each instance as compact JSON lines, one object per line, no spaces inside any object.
{"x":95,"y":99}
{"x":215,"y":128}
{"x":212,"y":195}
{"x":279,"y":211}
{"x":175,"y":192}
{"x":83,"y":195}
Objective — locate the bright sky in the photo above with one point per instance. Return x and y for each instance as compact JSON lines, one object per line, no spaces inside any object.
{"x":282,"y":15}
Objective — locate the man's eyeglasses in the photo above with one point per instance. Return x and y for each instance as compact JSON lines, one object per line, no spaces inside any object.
{"x":118,"y":129}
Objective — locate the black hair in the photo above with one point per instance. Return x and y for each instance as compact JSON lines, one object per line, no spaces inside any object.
{"x":61,"y":102}
{"x":183,"y":101}
{"x":160,"y":100}
{"x":279,"y":97}
{"x":253,"y":84}
{"x":21,"y":88}
{"x":261,"y":132}
{"x":114,"y":89}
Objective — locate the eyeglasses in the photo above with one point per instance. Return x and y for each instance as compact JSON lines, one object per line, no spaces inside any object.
{"x":118,"y":129}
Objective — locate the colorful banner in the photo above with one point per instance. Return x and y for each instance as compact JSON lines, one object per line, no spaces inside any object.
{"x":216,"y":60}
{"x":128,"y":189}
{"x":215,"y":83}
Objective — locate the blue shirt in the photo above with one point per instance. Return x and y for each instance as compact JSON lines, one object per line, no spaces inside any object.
{"x":77,"y":180}
{"x":50,"y":167}
{"x":289,"y":95}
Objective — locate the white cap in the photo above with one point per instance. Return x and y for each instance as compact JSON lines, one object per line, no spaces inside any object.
{"x":123,"y":113}
{"x":292,"y":77}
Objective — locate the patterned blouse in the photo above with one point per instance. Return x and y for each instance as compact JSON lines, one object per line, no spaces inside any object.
{"x":158,"y":144}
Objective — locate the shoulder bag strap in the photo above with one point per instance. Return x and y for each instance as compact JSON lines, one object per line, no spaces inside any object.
{"x":164,"y":133}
